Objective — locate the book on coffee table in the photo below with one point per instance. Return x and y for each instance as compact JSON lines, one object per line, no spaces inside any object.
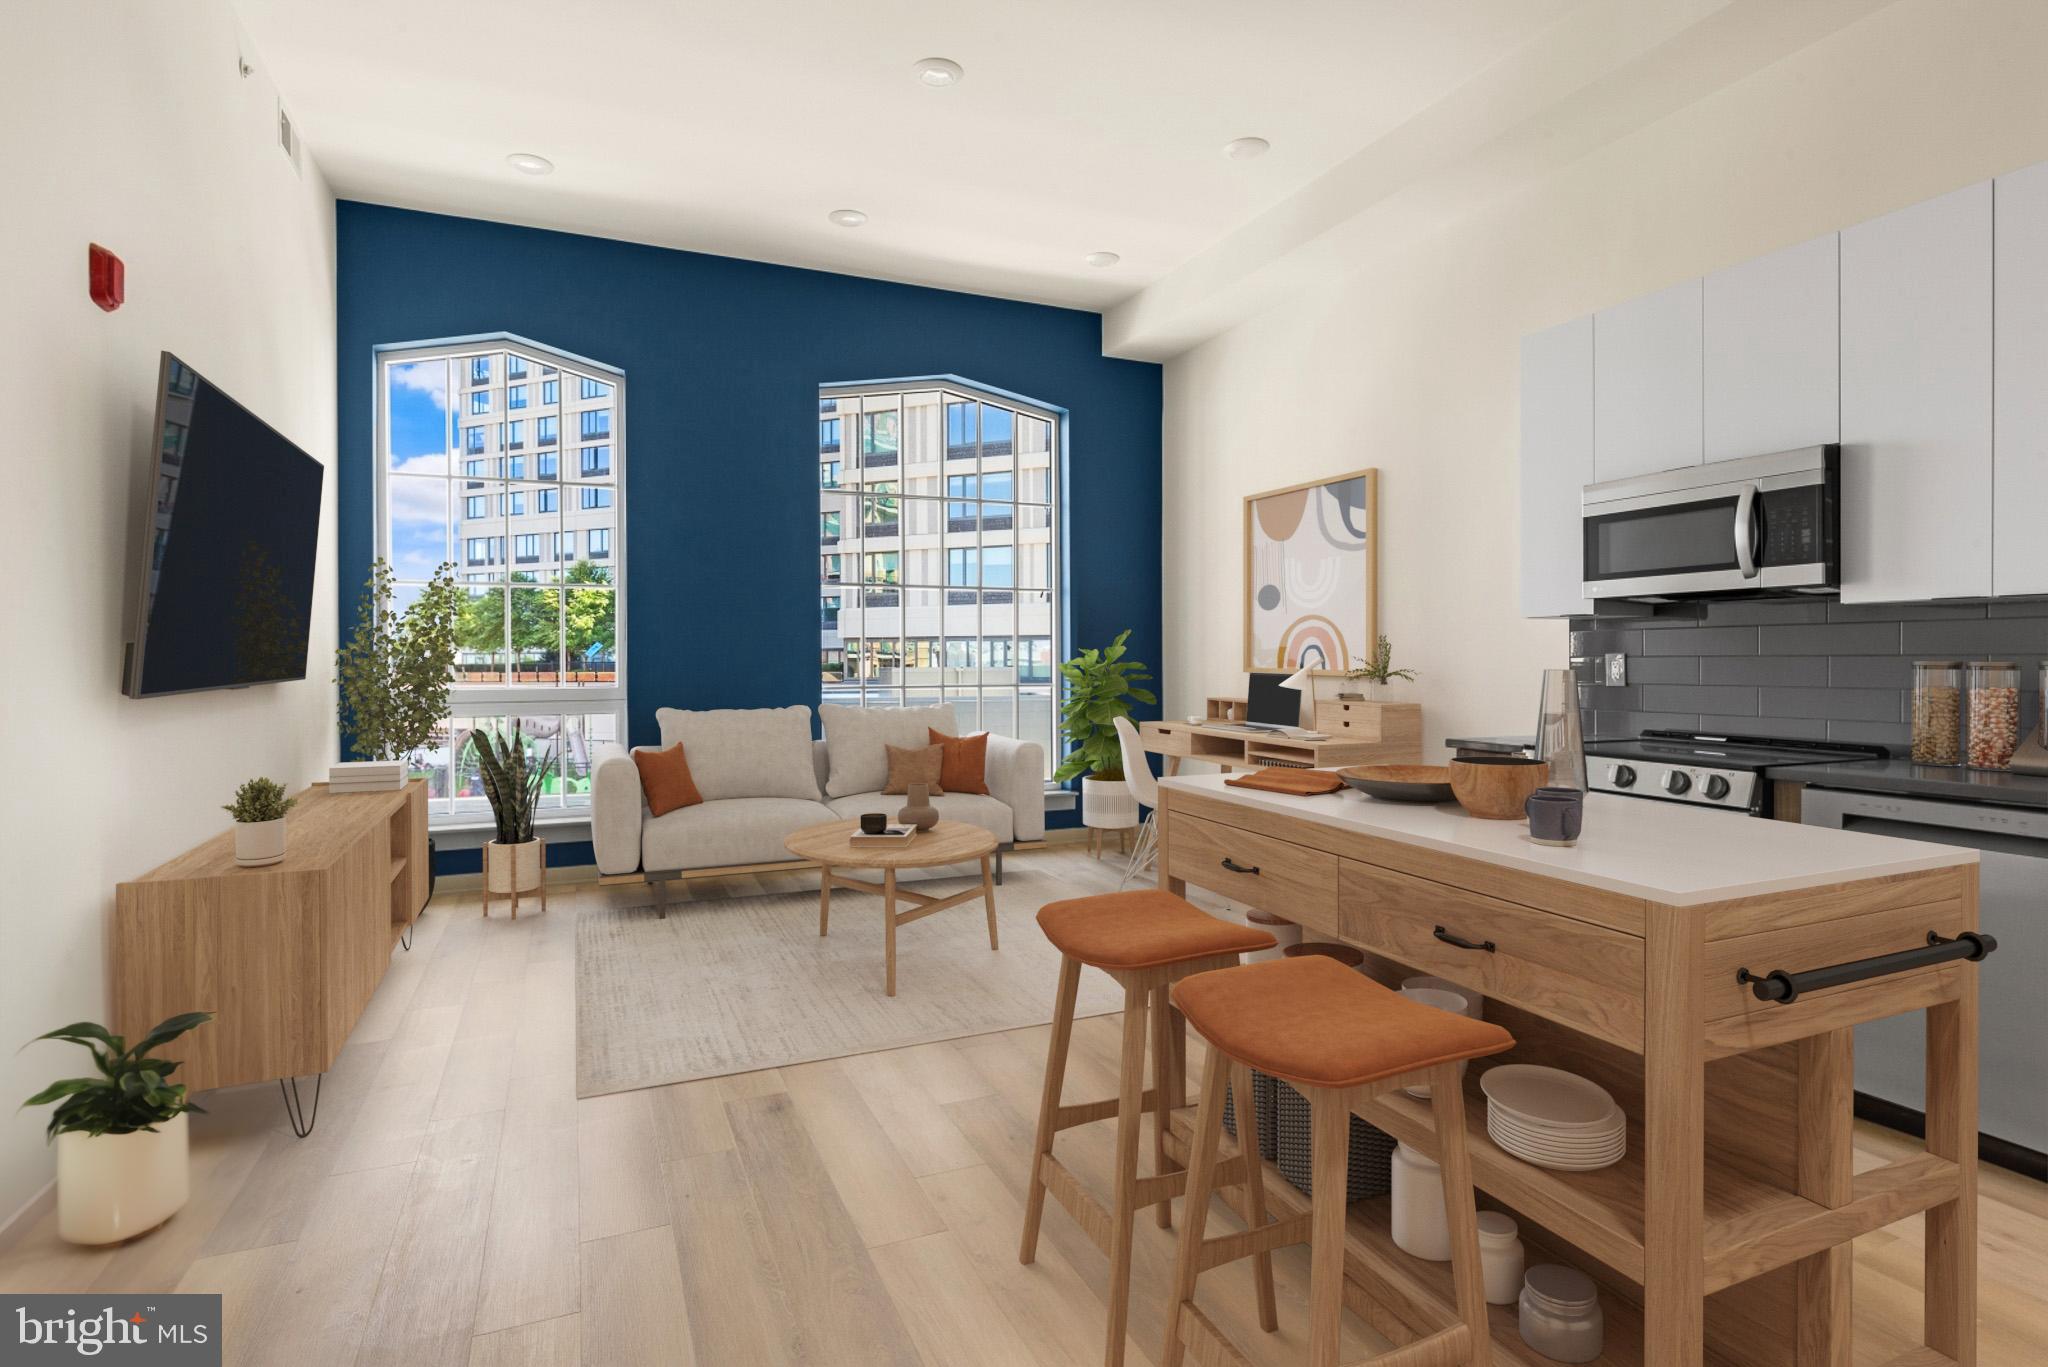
{"x":891,"y":835}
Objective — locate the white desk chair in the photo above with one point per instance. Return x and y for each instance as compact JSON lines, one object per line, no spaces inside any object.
{"x":1145,"y":788}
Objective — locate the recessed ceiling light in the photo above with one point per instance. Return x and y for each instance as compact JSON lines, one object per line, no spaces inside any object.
{"x":847,"y":218}
{"x":531,"y":163}
{"x":1103,"y":258}
{"x":1246,"y":149}
{"x":938,"y":71}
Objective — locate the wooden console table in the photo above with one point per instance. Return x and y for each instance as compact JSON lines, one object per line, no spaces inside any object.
{"x":285,"y":956}
{"x":1722,"y":1239}
{"x":1357,"y":733}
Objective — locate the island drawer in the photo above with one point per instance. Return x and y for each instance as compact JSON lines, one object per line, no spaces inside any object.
{"x":1800,"y":949}
{"x":1582,"y":975}
{"x":1273,"y":875}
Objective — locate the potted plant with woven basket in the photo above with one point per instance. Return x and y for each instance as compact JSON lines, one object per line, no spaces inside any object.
{"x":393,"y":674}
{"x":1101,"y":686}
{"x":515,"y":862}
{"x":122,"y":1148}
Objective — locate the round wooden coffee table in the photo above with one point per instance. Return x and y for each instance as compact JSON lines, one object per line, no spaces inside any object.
{"x":831,"y":848}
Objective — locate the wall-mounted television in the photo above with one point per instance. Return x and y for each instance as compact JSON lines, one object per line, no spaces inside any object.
{"x":228,"y":552}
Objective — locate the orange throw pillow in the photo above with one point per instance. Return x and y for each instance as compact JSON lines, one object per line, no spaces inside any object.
{"x":665,"y":778}
{"x":966,"y":764}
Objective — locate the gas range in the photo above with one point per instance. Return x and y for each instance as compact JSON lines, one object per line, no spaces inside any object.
{"x":1716,"y":771}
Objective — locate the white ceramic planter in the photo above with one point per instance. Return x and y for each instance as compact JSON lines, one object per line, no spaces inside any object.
{"x":1108,"y":804}
{"x":112,"y":1187}
{"x":512,"y":868}
{"x":259,"y":842}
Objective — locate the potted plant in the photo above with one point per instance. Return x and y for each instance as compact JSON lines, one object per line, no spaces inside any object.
{"x":393,"y":672}
{"x":1101,"y":686}
{"x":1378,"y":670}
{"x":512,"y":784}
{"x":258,"y":810}
{"x":121,"y":1136}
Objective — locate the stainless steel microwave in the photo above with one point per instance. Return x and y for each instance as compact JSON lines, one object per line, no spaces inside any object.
{"x":1763,"y":524}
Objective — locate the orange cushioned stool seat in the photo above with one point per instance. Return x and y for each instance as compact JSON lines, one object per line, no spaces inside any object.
{"x":1316,"y":1023}
{"x":1145,"y":928}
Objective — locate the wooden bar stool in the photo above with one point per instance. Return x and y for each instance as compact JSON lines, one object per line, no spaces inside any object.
{"x":1147,"y":940}
{"x":1340,"y":1038}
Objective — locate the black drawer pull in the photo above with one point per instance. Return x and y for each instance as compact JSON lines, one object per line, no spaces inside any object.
{"x":1236,"y":867}
{"x":1783,"y":988}
{"x":1462,"y":943}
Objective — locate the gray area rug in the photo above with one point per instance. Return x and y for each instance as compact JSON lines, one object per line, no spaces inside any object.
{"x":731,"y":985}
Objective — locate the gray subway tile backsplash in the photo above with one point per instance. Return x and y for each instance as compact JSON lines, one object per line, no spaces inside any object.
{"x":1796,"y":669}
{"x":1788,"y":671}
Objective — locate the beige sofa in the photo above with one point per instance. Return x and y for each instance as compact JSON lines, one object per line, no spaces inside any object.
{"x":763,"y":777}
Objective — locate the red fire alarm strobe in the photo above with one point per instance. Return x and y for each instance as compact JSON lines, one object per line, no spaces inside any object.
{"x":109,"y":279}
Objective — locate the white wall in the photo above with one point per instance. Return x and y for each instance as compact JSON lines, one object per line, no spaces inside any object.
{"x":1411,"y":365}
{"x":127,"y":124}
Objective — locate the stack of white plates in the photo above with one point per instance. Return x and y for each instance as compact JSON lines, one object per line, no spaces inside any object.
{"x":1552,"y":1118}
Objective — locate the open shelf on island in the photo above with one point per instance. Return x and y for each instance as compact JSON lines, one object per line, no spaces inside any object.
{"x":1405,"y":1297}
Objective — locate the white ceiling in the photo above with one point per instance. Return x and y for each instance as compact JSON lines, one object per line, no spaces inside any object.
{"x":1081,"y":125}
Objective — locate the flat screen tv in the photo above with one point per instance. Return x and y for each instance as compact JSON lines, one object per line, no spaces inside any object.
{"x":228,"y":553}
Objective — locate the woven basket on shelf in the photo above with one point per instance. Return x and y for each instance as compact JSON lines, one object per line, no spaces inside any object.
{"x":1264,"y":1098}
{"x":1370,"y":1171}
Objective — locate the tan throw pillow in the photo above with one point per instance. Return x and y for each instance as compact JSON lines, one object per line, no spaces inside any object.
{"x":920,"y":765}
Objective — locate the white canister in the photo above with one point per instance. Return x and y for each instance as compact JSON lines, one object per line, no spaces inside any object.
{"x":1283,"y":931}
{"x":1500,"y":1257}
{"x":1418,"y":1206}
{"x":1560,"y":1313}
{"x":1451,"y":1001}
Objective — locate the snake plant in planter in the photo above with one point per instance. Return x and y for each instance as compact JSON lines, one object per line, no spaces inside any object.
{"x":512,"y":781}
{"x":121,"y":1140}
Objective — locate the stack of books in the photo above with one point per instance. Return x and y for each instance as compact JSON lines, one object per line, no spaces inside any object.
{"x":366,"y":776}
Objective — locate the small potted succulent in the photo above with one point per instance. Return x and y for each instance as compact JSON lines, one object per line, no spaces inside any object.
{"x":1101,"y":686}
{"x":512,"y":782}
{"x":122,"y":1148}
{"x":1378,"y":671}
{"x":258,"y":810}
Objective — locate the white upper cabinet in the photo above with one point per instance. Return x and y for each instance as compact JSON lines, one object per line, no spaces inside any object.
{"x":2019,"y":538}
{"x":1916,"y":402}
{"x":1773,"y":352}
{"x":1557,"y":462}
{"x":1646,"y":384}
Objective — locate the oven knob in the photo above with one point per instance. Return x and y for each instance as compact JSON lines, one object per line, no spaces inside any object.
{"x":1676,"y":782}
{"x":1621,"y":775}
{"x":1717,"y":787}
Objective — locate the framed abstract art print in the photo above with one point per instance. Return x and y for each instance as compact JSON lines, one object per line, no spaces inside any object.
{"x":1311,"y":574}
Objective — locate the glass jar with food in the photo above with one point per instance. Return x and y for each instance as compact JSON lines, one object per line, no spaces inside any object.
{"x":1994,"y":714}
{"x":1938,"y":712}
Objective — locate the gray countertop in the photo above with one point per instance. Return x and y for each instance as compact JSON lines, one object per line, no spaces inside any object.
{"x":1922,"y":780}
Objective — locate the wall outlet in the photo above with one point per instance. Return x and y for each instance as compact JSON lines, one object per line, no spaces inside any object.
{"x":1614,"y":670}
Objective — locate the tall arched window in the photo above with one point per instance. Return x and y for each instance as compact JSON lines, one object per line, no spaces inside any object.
{"x":507,"y":460}
{"x":939,"y":553}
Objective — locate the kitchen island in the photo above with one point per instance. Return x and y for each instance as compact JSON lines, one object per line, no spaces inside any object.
{"x":1724,"y":1235}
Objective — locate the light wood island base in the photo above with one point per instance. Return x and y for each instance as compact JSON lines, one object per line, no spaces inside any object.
{"x":1724,"y":1235}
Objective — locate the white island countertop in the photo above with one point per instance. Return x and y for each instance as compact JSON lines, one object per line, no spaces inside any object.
{"x":1659,"y":851}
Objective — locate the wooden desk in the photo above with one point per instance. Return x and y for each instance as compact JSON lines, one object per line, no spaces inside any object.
{"x":1723,"y":1237}
{"x":286,"y":955}
{"x":1358,"y":733}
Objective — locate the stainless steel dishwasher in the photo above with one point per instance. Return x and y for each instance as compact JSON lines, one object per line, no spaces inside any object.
{"x":2012,"y":894}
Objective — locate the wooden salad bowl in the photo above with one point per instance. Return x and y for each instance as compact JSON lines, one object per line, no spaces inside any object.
{"x":1497,"y":787}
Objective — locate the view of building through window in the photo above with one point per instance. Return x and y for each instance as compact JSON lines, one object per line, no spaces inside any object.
{"x":491,"y":463}
{"x":938,"y":555}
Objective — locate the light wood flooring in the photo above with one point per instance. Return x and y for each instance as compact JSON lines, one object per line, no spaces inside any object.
{"x":458,"y":1205}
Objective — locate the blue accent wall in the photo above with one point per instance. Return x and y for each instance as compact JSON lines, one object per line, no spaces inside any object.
{"x":723,"y":359}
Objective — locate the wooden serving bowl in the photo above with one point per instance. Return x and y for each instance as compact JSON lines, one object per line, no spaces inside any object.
{"x":1497,"y":787}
